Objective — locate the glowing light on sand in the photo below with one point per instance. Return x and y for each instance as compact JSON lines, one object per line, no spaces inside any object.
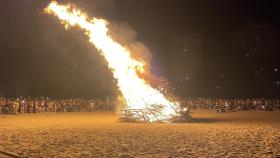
{"x":137,"y":93}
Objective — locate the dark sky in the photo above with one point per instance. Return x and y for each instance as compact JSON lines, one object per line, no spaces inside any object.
{"x":38,"y":57}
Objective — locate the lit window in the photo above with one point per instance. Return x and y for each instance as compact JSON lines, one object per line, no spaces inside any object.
{"x":186,"y":52}
{"x":187,"y":76}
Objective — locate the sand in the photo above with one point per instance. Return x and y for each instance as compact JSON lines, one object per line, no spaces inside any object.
{"x":235,"y":134}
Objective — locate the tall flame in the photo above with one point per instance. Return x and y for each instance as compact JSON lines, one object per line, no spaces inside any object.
{"x":137,"y":93}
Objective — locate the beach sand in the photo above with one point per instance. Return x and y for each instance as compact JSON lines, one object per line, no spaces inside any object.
{"x":211,"y":134}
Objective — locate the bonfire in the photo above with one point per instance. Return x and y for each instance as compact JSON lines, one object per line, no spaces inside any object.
{"x":144,"y":103}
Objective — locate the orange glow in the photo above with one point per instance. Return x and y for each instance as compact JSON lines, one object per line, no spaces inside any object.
{"x":138,"y":93}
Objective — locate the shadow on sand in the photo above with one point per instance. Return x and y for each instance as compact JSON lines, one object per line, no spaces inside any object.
{"x":205,"y":120}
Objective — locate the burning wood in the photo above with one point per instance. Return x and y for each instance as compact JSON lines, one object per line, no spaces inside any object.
{"x":144,"y":115}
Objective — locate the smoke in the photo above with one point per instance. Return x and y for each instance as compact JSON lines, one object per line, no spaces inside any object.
{"x":96,"y":8}
{"x":126,"y":36}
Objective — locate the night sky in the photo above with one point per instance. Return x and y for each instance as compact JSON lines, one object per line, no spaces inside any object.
{"x":39,"y":58}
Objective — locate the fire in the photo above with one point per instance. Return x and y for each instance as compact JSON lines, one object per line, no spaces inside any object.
{"x":138,"y":94}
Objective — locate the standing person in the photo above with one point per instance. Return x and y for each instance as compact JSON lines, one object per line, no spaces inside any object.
{"x":255,"y":104}
{"x":92,"y":105}
{"x":243,"y":104}
{"x":63,"y":105}
{"x":278,"y":104}
{"x":266,"y":104}
{"x":50,"y":105}
{"x":22,"y":106}
{"x":8,"y":105}
{"x":55,"y":106}
{"x":262,"y":104}
{"x":16,"y":106}
{"x":270,"y":105}
{"x":246,"y":104}
{"x":31,"y":106}
{"x":1,"y":105}
{"x":36,"y":106}
{"x":13,"y":106}
{"x":47,"y":105}
{"x":42,"y":105}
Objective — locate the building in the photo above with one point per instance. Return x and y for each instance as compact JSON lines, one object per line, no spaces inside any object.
{"x":187,"y":64}
{"x":254,"y":39}
{"x":255,"y":52}
{"x":187,"y":57}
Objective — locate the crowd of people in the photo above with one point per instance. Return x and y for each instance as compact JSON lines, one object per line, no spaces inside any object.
{"x":221,"y":104}
{"x":45,"y":105}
